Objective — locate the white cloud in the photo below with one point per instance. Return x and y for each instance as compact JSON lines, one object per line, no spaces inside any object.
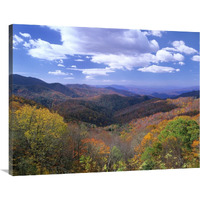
{"x":154,"y":33}
{"x":27,"y":45}
{"x":79,"y":60}
{"x":60,"y":65}
{"x":96,"y":71}
{"x":110,"y":41}
{"x":158,"y":69}
{"x":124,"y":61}
{"x":60,"y":61}
{"x":157,"y":33}
{"x":17,"y":40}
{"x":178,"y":57}
{"x":26,"y":35}
{"x":166,"y":56}
{"x":196,"y":58}
{"x":59,"y":72}
{"x":44,"y":50}
{"x":92,"y":72}
{"x":89,"y":77}
{"x":127,"y":62}
{"x":179,"y":46}
{"x":181,"y":63}
{"x":117,"y":48}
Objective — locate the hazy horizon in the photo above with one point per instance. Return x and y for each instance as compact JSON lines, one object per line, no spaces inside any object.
{"x":123,"y":87}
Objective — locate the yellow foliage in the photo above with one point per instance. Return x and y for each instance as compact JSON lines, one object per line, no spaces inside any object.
{"x":35,"y":122}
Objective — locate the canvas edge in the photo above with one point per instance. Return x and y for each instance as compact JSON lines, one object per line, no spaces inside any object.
{"x":10,"y":94}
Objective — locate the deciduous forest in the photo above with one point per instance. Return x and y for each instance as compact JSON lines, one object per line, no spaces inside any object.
{"x":105,"y":131}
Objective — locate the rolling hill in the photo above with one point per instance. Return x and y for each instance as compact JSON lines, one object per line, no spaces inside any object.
{"x":94,"y":105}
{"x":85,"y":91}
{"x":50,"y":94}
{"x":143,"y":109}
{"x":97,"y":110}
{"x":189,"y":94}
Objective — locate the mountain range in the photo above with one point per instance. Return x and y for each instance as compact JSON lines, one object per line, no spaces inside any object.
{"x":94,"y":104}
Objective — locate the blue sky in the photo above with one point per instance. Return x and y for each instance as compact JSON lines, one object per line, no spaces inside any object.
{"x":98,"y":56}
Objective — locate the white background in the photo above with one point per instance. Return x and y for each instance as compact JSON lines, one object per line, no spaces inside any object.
{"x":150,"y":14}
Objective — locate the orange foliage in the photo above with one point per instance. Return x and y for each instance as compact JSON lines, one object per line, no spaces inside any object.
{"x":195,"y":148}
{"x":98,"y":145}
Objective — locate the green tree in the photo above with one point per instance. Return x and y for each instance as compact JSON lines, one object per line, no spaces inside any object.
{"x":115,"y":161}
{"x":174,"y":147}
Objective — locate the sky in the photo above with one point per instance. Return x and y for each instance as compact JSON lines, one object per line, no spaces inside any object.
{"x":101,"y":56}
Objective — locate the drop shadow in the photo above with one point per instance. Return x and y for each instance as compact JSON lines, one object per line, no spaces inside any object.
{"x":5,"y":170}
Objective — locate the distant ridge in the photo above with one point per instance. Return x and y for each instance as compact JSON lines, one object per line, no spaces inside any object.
{"x":54,"y":93}
{"x":189,"y":94}
{"x":22,"y":80}
{"x":30,"y":81}
{"x":162,"y":95}
{"x":123,"y":92}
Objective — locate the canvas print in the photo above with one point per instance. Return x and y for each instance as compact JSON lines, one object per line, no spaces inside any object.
{"x":100,"y":99}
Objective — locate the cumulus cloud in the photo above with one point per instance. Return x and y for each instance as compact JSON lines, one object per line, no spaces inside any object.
{"x":179,"y":46}
{"x":97,"y":71}
{"x":166,"y":56}
{"x":89,"y":77}
{"x":128,"y":62}
{"x":59,"y":72}
{"x":178,"y":57}
{"x":154,"y":33}
{"x":118,"y":49}
{"x":158,"y":69}
{"x":26,"y":35}
{"x":17,"y":40}
{"x":60,"y":61}
{"x":60,"y":65}
{"x":124,"y":61}
{"x":27,"y":45}
{"x":90,"y":41}
{"x":79,"y":60}
{"x":92,"y":72}
{"x":181,"y":63}
{"x":196,"y":58}
{"x":45,"y":50}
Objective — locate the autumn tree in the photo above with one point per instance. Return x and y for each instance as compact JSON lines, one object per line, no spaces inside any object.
{"x":171,"y":144}
{"x":95,"y":155}
{"x":35,"y":137}
{"x":178,"y":141}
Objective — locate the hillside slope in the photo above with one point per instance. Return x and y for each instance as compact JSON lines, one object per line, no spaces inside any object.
{"x":97,"y":110}
{"x":194,"y":93}
{"x":50,"y":94}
